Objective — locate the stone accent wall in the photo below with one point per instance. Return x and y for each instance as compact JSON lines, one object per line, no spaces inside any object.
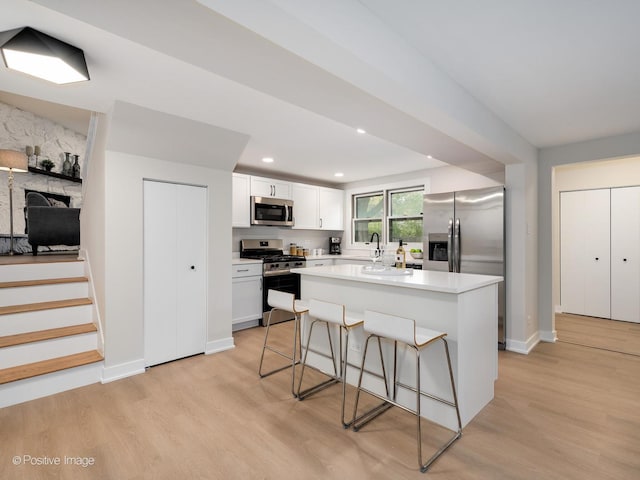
{"x":18,"y":129}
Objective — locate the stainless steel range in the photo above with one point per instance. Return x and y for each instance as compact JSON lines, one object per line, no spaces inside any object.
{"x":276,"y":272}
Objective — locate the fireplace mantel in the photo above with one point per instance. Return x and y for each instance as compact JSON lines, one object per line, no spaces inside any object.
{"x":54,"y":174}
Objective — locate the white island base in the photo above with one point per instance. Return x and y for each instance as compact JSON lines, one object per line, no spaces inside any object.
{"x":463,"y":305}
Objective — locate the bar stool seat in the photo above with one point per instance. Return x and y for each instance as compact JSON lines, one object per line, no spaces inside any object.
{"x":403,"y":330}
{"x":334,"y":314}
{"x":287,"y":302}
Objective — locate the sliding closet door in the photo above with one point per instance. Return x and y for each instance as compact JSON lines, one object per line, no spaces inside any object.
{"x":174,"y":271}
{"x":585,"y":252}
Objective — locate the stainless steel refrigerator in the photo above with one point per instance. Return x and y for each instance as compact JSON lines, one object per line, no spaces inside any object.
{"x":464,"y":232}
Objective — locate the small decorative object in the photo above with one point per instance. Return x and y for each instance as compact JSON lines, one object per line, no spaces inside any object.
{"x":76,"y":167}
{"x":66,"y":165}
{"x":47,"y":164}
{"x":29,"y":151}
{"x":36,"y":152}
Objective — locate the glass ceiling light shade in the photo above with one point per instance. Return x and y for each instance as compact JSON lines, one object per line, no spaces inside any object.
{"x":40,"y":55}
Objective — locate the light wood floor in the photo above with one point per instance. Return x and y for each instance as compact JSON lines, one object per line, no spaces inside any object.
{"x":562,"y":412}
{"x":602,"y":333}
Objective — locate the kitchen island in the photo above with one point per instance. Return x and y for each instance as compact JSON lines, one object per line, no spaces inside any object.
{"x":463,"y":305}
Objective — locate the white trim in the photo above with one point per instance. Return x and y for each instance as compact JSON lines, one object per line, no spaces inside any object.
{"x":549,"y":336}
{"x":124,"y":370}
{"x":221,"y":345}
{"x":97,"y":320}
{"x":523,"y":347}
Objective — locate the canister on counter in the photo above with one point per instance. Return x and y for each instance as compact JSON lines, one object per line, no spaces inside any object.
{"x":293,"y":249}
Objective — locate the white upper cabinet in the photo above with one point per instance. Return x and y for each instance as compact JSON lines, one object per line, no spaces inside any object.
{"x":625,"y":254}
{"x":241,"y":206}
{"x":305,"y":206}
{"x":330,"y":208}
{"x":268,"y":187}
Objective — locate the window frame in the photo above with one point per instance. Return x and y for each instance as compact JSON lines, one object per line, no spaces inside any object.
{"x":390,"y":217}
{"x":386,"y":192}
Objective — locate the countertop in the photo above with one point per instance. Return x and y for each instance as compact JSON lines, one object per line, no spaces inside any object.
{"x":241,"y":261}
{"x":444,"y":282}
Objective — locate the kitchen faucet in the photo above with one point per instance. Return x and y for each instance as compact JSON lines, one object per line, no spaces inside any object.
{"x":377,"y":242}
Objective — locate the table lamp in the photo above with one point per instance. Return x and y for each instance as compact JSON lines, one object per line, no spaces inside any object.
{"x":12,"y":161}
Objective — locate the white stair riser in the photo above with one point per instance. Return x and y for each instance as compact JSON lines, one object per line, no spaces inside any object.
{"x":41,"y":271}
{"x":49,"y":384}
{"x":47,"y":349}
{"x":44,"y":319}
{"x":43,"y":293}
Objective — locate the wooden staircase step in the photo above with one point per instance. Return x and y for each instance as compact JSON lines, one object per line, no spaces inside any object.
{"x":48,"y":366}
{"x":50,"y":281}
{"x":29,"y":337}
{"x":32,"y":307}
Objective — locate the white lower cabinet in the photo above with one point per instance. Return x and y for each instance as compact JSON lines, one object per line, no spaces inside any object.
{"x":246,"y":294}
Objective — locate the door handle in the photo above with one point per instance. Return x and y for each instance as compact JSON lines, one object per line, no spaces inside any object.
{"x":450,"y":244}
{"x":456,"y":243}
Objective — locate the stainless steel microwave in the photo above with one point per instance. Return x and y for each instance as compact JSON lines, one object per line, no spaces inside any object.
{"x":271,"y":211}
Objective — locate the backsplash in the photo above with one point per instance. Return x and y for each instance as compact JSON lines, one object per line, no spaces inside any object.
{"x":307,"y":238}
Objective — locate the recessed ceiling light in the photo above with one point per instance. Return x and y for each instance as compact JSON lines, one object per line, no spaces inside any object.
{"x":338,"y":174}
{"x":361,"y":130}
{"x":267,"y":159}
{"x":429,"y":156}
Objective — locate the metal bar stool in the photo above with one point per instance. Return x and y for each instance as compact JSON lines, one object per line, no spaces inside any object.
{"x":335,"y":314}
{"x":278,"y":300}
{"x":404,"y":330}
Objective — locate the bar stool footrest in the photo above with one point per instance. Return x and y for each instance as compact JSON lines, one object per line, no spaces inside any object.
{"x":316,"y":388}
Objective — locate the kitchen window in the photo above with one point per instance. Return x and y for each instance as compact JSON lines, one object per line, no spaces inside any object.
{"x":394,"y":214}
{"x":405,"y":215}
{"x":368,"y":213}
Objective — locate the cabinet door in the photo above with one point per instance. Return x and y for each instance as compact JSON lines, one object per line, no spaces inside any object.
{"x":246,"y":296}
{"x":241,"y":205}
{"x":305,"y":206}
{"x":268,"y":187}
{"x":585,"y":252}
{"x":625,"y":254}
{"x":331,"y":208}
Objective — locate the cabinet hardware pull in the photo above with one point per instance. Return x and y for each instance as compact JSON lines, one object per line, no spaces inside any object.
{"x":193,"y":267}
{"x":597,"y":258}
{"x":624,"y":259}
{"x":242,"y":270}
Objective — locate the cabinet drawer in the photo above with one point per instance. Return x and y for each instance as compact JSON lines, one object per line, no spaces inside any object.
{"x":246,"y":270}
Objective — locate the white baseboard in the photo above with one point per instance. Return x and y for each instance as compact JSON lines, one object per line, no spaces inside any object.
{"x":523,"y":347}
{"x":219,"y":345}
{"x":124,"y":370}
{"x":549,"y":336}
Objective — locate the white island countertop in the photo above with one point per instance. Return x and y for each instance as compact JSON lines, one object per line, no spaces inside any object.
{"x":444,"y":282}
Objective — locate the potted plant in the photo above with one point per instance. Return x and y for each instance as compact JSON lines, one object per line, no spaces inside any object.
{"x":47,"y":164}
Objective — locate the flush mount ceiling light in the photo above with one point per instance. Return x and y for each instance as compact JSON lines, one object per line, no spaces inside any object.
{"x":40,"y":55}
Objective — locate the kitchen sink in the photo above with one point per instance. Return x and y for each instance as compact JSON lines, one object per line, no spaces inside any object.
{"x":386,"y":271}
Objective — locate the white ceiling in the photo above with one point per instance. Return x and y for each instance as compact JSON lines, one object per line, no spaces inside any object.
{"x":475,"y":84}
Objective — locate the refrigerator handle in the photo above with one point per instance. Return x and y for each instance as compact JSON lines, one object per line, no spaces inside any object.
{"x":450,"y":244}
{"x":456,"y":246}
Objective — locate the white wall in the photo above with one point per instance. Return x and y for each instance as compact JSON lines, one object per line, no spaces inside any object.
{"x":124,"y":175}
{"x":617,"y":147}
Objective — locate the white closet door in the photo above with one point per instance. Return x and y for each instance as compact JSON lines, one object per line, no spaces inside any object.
{"x":585,"y":252}
{"x":597,"y":236}
{"x":174,"y":293}
{"x":625,"y":254}
{"x":191,"y":270}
